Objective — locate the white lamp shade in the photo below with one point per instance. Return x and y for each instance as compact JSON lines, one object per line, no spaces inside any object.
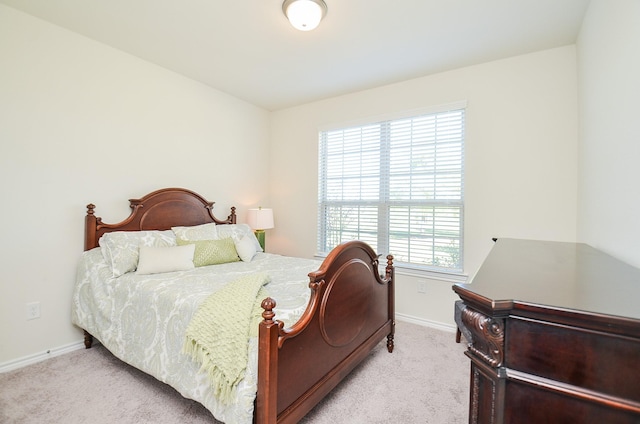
{"x":260,"y":219}
{"x":304,"y":15}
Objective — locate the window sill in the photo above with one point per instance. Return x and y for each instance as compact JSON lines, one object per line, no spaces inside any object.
{"x":412,"y":271}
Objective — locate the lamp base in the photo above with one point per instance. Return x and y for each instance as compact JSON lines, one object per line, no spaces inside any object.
{"x":260,"y":236}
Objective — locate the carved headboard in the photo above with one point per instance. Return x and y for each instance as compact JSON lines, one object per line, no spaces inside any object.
{"x":160,"y":210}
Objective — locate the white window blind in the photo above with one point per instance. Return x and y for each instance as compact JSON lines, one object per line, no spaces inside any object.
{"x":397,"y":185}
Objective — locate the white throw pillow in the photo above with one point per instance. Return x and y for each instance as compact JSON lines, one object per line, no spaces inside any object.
{"x":246,"y":249}
{"x":155,"y":260}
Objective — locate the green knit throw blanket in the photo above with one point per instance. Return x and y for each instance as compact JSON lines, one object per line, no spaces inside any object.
{"x":218,"y":335}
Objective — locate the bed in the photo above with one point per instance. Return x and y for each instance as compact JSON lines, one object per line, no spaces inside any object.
{"x":319,"y":320}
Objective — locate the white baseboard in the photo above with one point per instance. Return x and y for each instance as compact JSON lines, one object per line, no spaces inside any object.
{"x":38,"y":357}
{"x":426,"y":323}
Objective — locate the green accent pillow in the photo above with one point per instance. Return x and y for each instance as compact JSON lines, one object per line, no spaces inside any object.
{"x":212,"y":252}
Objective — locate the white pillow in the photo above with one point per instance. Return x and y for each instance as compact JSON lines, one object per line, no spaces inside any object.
{"x":154,"y":260}
{"x":120,"y":248}
{"x":245,"y":248}
{"x":196,"y":232}
{"x":237,"y":232}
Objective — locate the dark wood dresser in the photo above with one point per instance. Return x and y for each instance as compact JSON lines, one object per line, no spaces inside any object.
{"x":555,"y":331}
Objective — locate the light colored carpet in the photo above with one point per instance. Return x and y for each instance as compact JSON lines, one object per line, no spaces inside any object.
{"x":425,"y":380}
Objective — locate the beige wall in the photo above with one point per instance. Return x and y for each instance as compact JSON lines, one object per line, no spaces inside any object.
{"x":79,"y":123}
{"x":520,"y":158}
{"x":608,"y":69}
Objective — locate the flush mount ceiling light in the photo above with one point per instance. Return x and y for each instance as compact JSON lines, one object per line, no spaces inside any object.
{"x":304,"y":15}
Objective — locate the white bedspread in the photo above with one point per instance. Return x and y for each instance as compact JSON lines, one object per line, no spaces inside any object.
{"x":142,"y":319}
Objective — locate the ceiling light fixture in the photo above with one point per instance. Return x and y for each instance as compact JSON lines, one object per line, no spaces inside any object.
{"x":304,"y":15}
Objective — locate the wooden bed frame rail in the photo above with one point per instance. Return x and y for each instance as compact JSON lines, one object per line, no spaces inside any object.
{"x":351,"y":310}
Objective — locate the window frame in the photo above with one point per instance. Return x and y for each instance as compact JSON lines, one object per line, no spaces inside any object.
{"x":383,"y":201}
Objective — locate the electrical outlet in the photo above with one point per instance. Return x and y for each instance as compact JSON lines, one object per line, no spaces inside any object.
{"x":422,"y":286}
{"x":33,"y":310}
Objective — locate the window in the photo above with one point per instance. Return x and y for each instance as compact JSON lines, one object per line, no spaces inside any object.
{"x":397,"y":185}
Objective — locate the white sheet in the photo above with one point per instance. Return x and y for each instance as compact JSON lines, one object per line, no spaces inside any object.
{"x":141,"y":319}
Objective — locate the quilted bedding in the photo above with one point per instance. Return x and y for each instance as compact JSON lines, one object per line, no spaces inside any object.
{"x":142,"y":319}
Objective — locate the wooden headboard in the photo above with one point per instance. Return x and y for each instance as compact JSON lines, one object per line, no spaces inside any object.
{"x":160,"y":210}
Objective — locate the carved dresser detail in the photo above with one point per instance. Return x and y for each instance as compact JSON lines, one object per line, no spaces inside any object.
{"x":555,"y":335}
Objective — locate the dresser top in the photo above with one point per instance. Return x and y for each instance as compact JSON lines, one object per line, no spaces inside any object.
{"x":568,"y":278}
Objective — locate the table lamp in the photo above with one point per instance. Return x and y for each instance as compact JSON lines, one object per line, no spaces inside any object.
{"x":260,"y":219}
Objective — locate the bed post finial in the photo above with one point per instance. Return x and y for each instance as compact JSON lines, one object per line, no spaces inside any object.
{"x":268,"y":304}
{"x":389,"y":267}
{"x":91,"y":209}
{"x":232,"y":218}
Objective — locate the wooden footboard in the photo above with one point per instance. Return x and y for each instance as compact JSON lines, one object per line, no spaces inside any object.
{"x":350,"y":311}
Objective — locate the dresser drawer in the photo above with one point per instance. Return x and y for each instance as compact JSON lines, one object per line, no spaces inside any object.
{"x":593,"y":360}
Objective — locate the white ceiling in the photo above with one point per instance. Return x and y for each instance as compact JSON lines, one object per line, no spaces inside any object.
{"x":247,"y":48}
